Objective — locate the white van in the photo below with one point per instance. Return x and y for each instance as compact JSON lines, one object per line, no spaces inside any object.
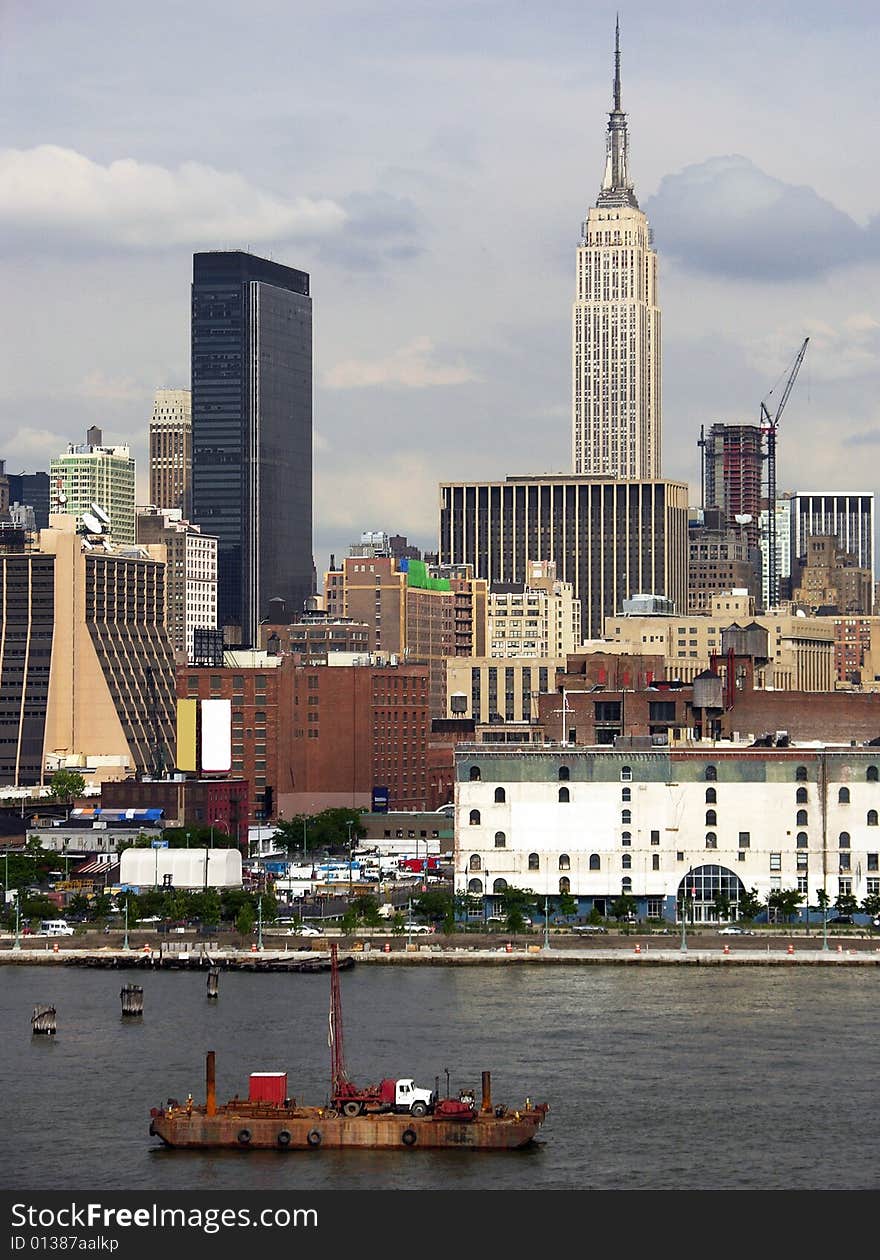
{"x":55,"y":927}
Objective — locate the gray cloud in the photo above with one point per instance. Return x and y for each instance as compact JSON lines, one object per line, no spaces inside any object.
{"x":727,"y":217}
{"x":380,"y":228}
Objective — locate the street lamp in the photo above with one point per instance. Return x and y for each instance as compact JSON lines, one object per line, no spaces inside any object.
{"x":684,"y":909}
{"x":546,"y":921}
{"x":260,"y":922}
{"x":17,"y":943}
{"x":125,"y":944}
{"x":350,"y":858}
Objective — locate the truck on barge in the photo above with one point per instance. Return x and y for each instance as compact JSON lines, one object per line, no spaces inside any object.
{"x":393,"y":1114}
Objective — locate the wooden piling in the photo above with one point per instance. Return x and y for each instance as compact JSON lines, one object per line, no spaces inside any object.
{"x":213,"y":982}
{"x":43,"y":1021}
{"x":132,"y":996}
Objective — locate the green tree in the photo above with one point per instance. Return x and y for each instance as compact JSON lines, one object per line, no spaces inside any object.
{"x":437,"y":906}
{"x":66,"y":785}
{"x":721,"y":904}
{"x":466,"y":906}
{"x":99,"y":908}
{"x":516,"y":903}
{"x":244,"y":920}
{"x":327,"y":830}
{"x":564,"y":905}
{"x":38,"y":907}
{"x":206,"y":907}
{"x":871,"y":905}
{"x":784,"y":902}
{"x":846,"y":903}
{"x":750,"y":905}
{"x":623,"y":907}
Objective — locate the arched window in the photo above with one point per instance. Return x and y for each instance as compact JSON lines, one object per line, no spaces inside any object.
{"x":871,"y":774}
{"x":801,"y":796}
{"x":595,"y":862}
{"x":564,"y":774}
{"x":475,"y":862}
{"x":626,"y":837}
{"x":475,"y":885}
{"x":801,"y":819}
{"x":500,"y":796}
{"x":626,"y":774}
{"x":564,"y":862}
{"x":626,"y":794}
{"x":711,"y":796}
{"x":626,"y":885}
{"x":711,"y":774}
{"x":872,"y":818}
{"x":843,"y":796}
{"x":500,"y":840}
{"x":534,"y":862}
{"x":626,"y":861}
{"x":800,"y":774}
{"x":474,"y":818}
{"x":711,"y":840}
{"x":803,"y":841}
{"x":626,"y":817}
{"x":843,"y":840}
{"x":565,"y":884}
{"x":475,"y":774}
{"x":499,"y":886}
{"x":564,"y":796}
{"x":711,"y":818}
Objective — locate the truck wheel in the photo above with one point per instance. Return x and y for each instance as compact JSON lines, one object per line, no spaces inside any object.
{"x":352,"y":1108}
{"x":418,"y":1109}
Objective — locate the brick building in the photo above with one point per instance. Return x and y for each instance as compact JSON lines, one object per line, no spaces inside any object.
{"x":222,"y":803}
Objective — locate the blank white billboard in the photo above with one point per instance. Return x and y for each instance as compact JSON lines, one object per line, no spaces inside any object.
{"x":217,"y":735}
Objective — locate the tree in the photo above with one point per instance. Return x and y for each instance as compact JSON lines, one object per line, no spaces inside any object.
{"x":100,"y":907}
{"x":244,"y":920}
{"x":65,"y":785}
{"x":750,"y":905}
{"x":466,"y":906}
{"x":871,"y":905}
{"x":515,"y":902}
{"x":721,"y":904}
{"x":438,"y":906}
{"x":327,"y":830}
{"x":846,"y":903}
{"x":784,"y":902}
{"x":565,"y":905}
{"x":623,"y":907}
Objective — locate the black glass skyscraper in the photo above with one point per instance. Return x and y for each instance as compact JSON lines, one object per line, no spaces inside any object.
{"x":252,"y":432}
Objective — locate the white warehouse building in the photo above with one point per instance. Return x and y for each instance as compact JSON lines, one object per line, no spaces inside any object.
{"x":667,"y":825}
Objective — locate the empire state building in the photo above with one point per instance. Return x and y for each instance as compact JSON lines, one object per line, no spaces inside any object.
{"x":616,"y":326}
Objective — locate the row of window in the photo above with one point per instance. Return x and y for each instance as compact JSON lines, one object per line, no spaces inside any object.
{"x":710,"y":775}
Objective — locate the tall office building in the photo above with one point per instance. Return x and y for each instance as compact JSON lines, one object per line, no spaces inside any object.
{"x":171,"y":451}
{"x":31,"y":490}
{"x":847,"y":515}
{"x":252,"y":432}
{"x":91,"y":473}
{"x":190,"y":575}
{"x":616,"y":326}
{"x":732,"y":462}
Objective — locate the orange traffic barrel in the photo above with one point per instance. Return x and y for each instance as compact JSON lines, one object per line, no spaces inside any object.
{"x":386,"y":948}
{"x":791,"y":949}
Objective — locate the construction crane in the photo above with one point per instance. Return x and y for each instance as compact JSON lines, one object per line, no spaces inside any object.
{"x":769,"y":426}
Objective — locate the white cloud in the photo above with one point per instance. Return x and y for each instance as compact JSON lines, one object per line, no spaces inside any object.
{"x":413,"y":366}
{"x":356,"y":498}
{"x":50,"y":192}
{"x":847,"y":349}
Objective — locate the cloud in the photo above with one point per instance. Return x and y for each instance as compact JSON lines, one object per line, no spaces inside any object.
{"x":412,"y":367}
{"x":380,"y":228}
{"x":357,"y":498}
{"x":54,"y":195}
{"x":727,"y":217}
{"x":837,"y":352}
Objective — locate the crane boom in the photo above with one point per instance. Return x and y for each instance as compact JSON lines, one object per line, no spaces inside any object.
{"x":769,"y":426}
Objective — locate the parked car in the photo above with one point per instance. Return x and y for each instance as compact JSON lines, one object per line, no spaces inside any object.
{"x":417,"y":927}
{"x":307,"y":929}
{"x":590,"y":929}
{"x":733,"y":929}
{"x":842,"y":920}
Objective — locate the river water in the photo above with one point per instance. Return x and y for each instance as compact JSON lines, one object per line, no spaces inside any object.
{"x":657,"y":1079}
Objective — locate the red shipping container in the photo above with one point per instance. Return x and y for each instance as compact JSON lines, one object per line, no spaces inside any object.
{"x":268,"y":1087}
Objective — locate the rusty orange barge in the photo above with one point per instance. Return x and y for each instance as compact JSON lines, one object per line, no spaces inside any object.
{"x":392,"y":1115}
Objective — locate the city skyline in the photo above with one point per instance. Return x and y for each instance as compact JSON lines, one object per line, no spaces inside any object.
{"x":462,"y":167}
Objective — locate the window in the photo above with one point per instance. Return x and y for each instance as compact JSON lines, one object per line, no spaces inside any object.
{"x":626,"y":885}
{"x":626,"y":794}
{"x":844,"y":887}
{"x":801,"y":819}
{"x":711,"y":840}
{"x":872,"y":818}
{"x":564,"y":862}
{"x":626,"y":774}
{"x":500,"y":796}
{"x":626,"y":817}
{"x":872,"y":862}
{"x":801,"y":796}
{"x":475,"y":862}
{"x":565,"y":884}
{"x":564,"y":796}
{"x":679,"y":855}
{"x":800,"y":774}
{"x":843,"y":796}
{"x":626,"y":861}
{"x":655,"y":837}
{"x":711,"y":796}
{"x":500,"y":840}
{"x":871,"y":774}
{"x":655,"y":864}
{"x":564,"y":774}
{"x":595,"y":862}
{"x":626,"y":838}
{"x":534,"y":862}
{"x":475,"y":774}
{"x":744,"y":839}
{"x":711,"y":818}
{"x":845,"y":862}
{"x":775,"y":861}
{"x":474,"y":818}
{"x":843,"y":840}
{"x":499,"y":886}
{"x":475,"y":885}
{"x":802,"y":841}
{"x":711,"y":774}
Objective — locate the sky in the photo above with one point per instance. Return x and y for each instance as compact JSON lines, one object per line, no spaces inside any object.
{"x":429,"y":163}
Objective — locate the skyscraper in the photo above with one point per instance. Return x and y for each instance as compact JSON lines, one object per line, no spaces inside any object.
{"x":91,"y":473}
{"x":252,"y":432}
{"x":616,"y":326}
{"x":733,"y":463}
{"x":171,"y":451}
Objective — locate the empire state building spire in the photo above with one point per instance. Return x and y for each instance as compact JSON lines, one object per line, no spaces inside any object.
{"x":617,"y":189}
